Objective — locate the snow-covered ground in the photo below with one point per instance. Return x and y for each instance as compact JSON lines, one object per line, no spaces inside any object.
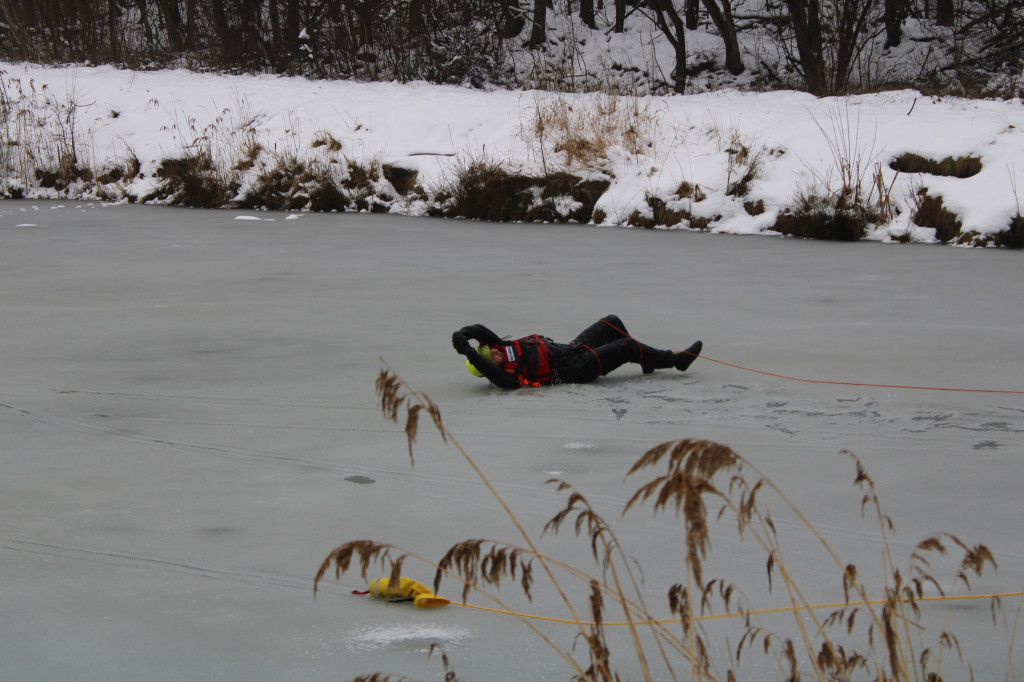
{"x":801,"y":144}
{"x":188,"y":426}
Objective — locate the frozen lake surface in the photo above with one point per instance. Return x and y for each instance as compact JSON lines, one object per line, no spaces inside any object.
{"x":188,"y":424}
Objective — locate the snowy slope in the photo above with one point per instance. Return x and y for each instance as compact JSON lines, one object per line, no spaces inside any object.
{"x":801,"y":143}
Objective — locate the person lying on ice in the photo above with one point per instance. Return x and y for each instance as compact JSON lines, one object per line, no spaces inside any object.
{"x":537,"y":360}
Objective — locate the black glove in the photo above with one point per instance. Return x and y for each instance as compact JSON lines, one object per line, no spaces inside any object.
{"x":461,"y":344}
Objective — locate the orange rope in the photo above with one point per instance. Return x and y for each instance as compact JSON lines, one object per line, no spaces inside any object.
{"x":628,"y":336}
{"x":600,"y":369}
{"x":821,"y":381}
{"x":736,"y":614}
{"x":853,"y":383}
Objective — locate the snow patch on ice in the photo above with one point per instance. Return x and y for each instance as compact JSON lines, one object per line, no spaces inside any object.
{"x":404,"y":635}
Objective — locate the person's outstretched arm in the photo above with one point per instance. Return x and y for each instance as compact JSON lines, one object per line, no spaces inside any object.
{"x":483,"y":335}
{"x":478,"y":333}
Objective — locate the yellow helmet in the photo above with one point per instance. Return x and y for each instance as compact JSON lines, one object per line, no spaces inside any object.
{"x":485,"y":353}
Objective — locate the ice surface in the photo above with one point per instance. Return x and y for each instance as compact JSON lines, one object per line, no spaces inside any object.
{"x":189,"y":425}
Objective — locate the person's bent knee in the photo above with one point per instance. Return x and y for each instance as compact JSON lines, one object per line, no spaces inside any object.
{"x":613,"y":319}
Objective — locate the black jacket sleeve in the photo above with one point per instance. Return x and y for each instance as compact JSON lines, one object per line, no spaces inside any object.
{"x":484,"y":336}
{"x":477,"y":332}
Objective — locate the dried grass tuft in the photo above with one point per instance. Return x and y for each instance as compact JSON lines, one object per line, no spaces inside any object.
{"x":1013,"y":238}
{"x":566,"y":132}
{"x":367,"y":553}
{"x":827,"y":217}
{"x":929,"y":212}
{"x":960,"y":167}
{"x":747,"y":157}
{"x":754,"y":208}
{"x":193,"y":180}
{"x":660,"y":213}
{"x":402,"y":179}
{"x":487,"y":189}
{"x":327,"y":141}
{"x":468,"y":561}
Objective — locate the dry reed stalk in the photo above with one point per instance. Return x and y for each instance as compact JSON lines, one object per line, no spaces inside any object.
{"x":604,"y":546}
{"x":394,"y":393}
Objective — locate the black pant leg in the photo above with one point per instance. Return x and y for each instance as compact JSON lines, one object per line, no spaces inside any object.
{"x":613,"y":355}
{"x":578,"y":365}
{"x":583,"y":364}
{"x":605,"y":330}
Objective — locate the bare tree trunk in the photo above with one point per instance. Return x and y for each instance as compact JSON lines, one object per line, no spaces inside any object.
{"x":853,"y":23}
{"x":250,"y":22}
{"x":538,"y":35}
{"x":172,"y":23}
{"x":944,"y":14}
{"x":511,"y":21}
{"x":113,"y":34}
{"x":190,"y":24}
{"x":722,"y":18}
{"x":620,"y":16}
{"x":228,"y":38}
{"x":679,"y":71}
{"x":366,"y":12}
{"x":587,"y":13}
{"x":82,"y":19}
{"x":806,"y":18}
{"x":674,"y":29}
{"x":276,"y":43}
{"x":147,"y":30}
{"x":692,"y":14}
{"x":291,"y":28}
{"x":895,"y":14}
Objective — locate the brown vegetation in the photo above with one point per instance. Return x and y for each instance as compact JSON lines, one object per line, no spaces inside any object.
{"x":1012,"y":238}
{"x":931,"y":213}
{"x":828,"y":218}
{"x":488,"y":190}
{"x":192,"y":180}
{"x":838,"y":226}
{"x":961,"y":167}
{"x":661,"y":215}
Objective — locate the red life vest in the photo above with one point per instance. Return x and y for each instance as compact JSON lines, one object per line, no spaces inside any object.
{"x":528,"y":359}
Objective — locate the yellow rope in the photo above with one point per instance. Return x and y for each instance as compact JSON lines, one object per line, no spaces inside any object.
{"x":757,"y":612}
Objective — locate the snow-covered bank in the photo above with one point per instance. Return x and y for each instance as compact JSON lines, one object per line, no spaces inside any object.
{"x":687,"y":152}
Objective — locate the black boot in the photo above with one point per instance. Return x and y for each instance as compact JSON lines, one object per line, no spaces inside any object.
{"x":656,"y":359}
{"x":683,"y":359}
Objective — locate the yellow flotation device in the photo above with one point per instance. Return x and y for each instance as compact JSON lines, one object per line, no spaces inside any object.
{"x":407,"y":589}
{"x":485,"y":353}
